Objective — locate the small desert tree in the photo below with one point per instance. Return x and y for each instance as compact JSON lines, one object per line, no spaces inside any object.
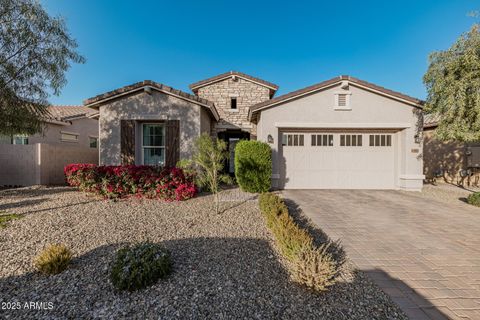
{"x":36,"y":51}
{"x":453,"y":85}
{"x":209,"y":158}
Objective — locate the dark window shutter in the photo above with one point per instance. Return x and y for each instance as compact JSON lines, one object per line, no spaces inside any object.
{"x":127,"y":141}
{"x":172,"y":146}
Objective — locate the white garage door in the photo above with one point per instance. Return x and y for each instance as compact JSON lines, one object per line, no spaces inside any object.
{"x":327,"y":160}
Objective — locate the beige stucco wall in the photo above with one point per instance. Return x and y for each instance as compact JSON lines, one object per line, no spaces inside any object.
{"x":40,"y":163}
{"x":55,"y":157}
{"x":19,"y":165}
{"x":367,"y":110}
{"x":143,"y":106}
{"x":205,"y":121}
{"x":247,"y":93}
{"x":84,"y":127}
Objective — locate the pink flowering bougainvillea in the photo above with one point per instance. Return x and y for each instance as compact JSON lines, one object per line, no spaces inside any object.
{"x":140,"y":181}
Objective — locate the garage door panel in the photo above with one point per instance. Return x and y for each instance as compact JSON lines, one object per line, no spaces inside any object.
{"x":339,"y":167}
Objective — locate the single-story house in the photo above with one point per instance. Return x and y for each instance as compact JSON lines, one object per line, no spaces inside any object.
{"x":447,"y":160}
{"x":343,"y":133}
{"x":65,"y":125}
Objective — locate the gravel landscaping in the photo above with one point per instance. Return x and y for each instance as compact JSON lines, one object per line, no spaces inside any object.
{"x":445,"y":192}
{"x":225,"y":265}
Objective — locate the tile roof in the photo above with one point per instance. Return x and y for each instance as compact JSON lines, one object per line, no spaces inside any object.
{"x":149,"y":83}
{"x":196,"y":85}
{"x":332,"y":81}
{"x":64,"y":112}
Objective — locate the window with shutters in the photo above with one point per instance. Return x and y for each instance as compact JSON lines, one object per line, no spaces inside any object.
{"x":153,"y":144}
{"x":322,"y":140}
{"x":380,"y":140}
{"x":350,"y":140}
{"x":293,"y":140}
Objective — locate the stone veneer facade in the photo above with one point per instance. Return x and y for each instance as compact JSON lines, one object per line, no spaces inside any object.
{"x":247,"y":93}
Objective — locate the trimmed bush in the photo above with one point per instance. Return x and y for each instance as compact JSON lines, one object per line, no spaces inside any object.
{"x":474,"y":199}
{"x":122,"y":181}
{"x":312,"y":266}
{"x":253,"y":166}
{"x":140,"y":266}
{"x":53,"y":259}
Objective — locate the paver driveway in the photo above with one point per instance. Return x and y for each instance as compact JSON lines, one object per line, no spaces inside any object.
{"x":424,"y":253}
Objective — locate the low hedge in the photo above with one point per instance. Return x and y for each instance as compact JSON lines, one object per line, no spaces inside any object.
{"x":253,"y":166}
{"x":123,"y":181}
{"x":310,"y":265}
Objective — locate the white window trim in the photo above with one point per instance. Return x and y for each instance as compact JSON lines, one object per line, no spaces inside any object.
{"x":15,"y":136}
{"x":70,"y":133}
{"x":357,"y":135}
{"x":142,"y":147}
{"x":380,"y":140}
{"x":348,"y":101}
{"x":321,"y":145}
{"x":285,"y":135}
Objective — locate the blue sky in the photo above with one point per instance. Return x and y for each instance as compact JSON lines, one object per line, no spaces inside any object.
{"x":292,"y":44}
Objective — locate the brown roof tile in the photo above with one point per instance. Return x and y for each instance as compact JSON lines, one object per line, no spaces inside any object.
{"x":196,"y":85}
{"x":62,"y":113}
{"x":161,"y":87}
{"x":321,"y":85}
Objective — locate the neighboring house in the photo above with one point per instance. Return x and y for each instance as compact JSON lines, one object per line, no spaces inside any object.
{"x":67,"y":125}
{"x":343,"y":133}
{"x":448,"y":160}
{"x":70,"y":136}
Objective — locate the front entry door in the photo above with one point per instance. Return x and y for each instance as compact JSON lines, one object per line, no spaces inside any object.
{"x":231,"y":137}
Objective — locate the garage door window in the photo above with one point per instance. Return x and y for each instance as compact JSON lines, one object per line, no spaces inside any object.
{"x":322,"y":140}
{"x":350,"y":140}
{"x":293,"y":140}
{"x":380,"y":140}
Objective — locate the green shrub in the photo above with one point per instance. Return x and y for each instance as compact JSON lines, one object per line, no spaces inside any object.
{"x":187,"y":166}
{"x":474,"y":199}
{"x":253,"y":166}
{"x":53,"y":259}
{"x":140,"y":266}
{"x":314,"y":267}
